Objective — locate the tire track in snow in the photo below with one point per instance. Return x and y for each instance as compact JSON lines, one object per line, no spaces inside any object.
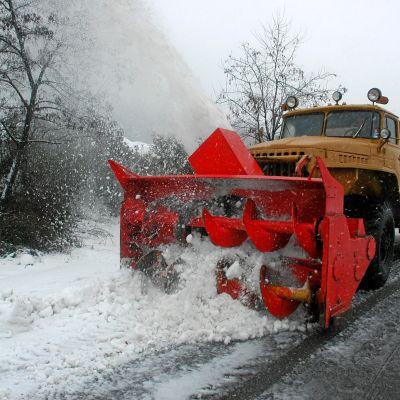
{"x":374,"y":392}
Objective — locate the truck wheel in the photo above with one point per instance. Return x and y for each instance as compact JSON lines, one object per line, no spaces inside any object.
{"x":380,"y":224}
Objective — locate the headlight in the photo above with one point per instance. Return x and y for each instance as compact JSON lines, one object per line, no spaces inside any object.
{"x":336,"y":96}
{"x":385,"y":134}
{"x":292,"y":102}
{"x":374,"y":94}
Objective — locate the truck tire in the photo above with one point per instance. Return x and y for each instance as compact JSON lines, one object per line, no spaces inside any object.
{"x":380,"y":224}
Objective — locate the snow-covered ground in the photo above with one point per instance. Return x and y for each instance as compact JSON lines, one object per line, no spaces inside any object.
{"x":67,"y":318}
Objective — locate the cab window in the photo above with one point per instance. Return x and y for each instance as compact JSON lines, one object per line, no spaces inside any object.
{"x":303,"y":125}
{"x":353,"y":124}
{"x":391,"y":125}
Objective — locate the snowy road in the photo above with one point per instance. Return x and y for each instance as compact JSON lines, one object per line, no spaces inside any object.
{"x":76,"y":327}
{"x":360,"y":360}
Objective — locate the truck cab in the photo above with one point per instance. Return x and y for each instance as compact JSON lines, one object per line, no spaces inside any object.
{"x":358,"y":143}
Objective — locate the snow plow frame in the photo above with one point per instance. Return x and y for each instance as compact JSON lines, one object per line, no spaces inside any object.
{"x":158,"y":210}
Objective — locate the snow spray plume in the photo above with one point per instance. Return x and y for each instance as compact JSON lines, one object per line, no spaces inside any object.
{"x":120,"y":54}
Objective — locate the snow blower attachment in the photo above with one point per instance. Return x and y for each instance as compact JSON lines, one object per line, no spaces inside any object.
{"x":230,"y":200}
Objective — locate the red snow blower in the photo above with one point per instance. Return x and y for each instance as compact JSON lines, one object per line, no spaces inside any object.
{"x":159,"y":210}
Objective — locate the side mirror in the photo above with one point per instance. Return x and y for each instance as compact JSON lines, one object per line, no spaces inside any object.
{"x":385,"y":134}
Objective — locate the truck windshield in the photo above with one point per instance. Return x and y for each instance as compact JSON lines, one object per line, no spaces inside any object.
{"x":353,"y":124}
{"x":303,"y":125}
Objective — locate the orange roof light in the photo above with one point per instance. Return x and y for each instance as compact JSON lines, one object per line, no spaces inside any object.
{"x":383,"y":100}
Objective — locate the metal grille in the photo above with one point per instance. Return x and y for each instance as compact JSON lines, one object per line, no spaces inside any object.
{"x":277,"y":153}
{"x":280,"y":169}
{"x":273,"y":166}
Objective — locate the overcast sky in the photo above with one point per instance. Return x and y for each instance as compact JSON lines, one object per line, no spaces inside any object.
{"x":358,"y":40}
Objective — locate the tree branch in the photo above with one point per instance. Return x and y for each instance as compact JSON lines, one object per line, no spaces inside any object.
{"x":9,"y":134}
{"x":43,"y":141}
{"x":12,"y":84}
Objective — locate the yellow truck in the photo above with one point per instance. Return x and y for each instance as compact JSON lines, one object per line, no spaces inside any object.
{"x":360,"y":146}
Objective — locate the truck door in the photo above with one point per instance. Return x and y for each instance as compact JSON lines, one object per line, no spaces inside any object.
{"x":390,"y":149}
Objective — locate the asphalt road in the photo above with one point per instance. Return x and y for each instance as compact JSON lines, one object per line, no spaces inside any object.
{"x":361,"y":362}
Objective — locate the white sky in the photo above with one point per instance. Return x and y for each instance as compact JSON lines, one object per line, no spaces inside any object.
{"x":358,"y":40}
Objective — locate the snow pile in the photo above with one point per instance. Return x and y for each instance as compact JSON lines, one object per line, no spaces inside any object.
{"x":141,"y":147}
{"x":69,"y":317}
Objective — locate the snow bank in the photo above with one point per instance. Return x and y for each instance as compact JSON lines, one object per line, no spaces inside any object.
{"x":64,"y":319}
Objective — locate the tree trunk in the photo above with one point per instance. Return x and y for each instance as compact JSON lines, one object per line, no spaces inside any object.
{"x":11,"y":176}
{"x":15,"y":166}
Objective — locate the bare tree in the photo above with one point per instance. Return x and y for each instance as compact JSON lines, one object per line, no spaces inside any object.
{"x":260,"y":79}
{"x":30,"y":101}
